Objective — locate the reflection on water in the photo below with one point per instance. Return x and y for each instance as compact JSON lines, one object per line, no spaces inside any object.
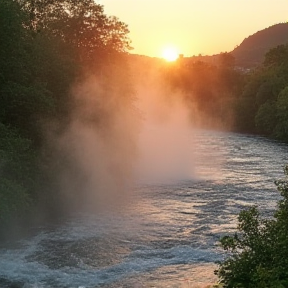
{"x":167,"y":236}
{"x":180,"y":276}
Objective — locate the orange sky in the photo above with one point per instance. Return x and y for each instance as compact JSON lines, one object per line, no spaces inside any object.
{"x":194,"y":26}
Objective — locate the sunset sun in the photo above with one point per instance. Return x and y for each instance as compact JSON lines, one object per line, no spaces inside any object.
{"x":170,"y":54}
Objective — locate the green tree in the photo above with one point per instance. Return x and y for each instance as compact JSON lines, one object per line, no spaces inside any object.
{"x":226,"y":60}
{"x":24,"y":93}
{"x":266,"y":118}
{"x":256,"y":107}
{"x":277,"y":56}
{"x":281,"y":129}
{"x":18,"y":170}
{"x":46,"y":47}
{"x":83,"y":25}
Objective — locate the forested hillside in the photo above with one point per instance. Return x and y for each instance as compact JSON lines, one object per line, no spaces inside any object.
{"x":262,"y":106}
{"x":250,"y":53}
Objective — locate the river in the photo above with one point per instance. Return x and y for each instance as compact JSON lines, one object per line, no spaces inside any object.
{"x":168,"y":235}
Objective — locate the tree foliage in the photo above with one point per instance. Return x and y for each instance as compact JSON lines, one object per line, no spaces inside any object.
{"x":209,"y":88}
{"x":261,"y":106}
{"x":82,"y":25}
{"x":47,"y":46}
{"x":18,"y":170}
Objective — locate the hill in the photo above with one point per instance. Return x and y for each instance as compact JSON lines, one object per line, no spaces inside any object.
{"x":252,"y":50}
{"x":250,"y":53}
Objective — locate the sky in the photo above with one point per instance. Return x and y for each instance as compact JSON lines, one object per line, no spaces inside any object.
{"x":194,"y":27}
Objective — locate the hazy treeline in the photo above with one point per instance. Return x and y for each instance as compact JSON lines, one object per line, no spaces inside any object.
{"x":49,"y":48}
{"x":257,"y":253}
{"x":209,"y":90}
{"x":223,"y":96}
{"x":262,"y":105}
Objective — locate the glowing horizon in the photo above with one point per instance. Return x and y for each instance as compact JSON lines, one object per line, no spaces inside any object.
{"x":204,"y":27}
{"x":170,"y":54}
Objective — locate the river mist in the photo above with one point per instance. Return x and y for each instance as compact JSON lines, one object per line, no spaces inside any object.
{"x":124,"y":128}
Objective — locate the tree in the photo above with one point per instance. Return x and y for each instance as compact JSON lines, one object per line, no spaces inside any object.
{"x":261,"y":95}
{"x":276,"y":56}
{"x":24,"y":92}
{"x":226,"y":60}
{"x":266,"y":118}
{"x":80,"y":24}
{"x":18,"y":168}
{"x":46,"y":47}
{"x":281,"y":129}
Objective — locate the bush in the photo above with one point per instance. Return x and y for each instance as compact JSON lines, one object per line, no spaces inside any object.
{"x":17,"y":173}
{"x":258,"y":253}
{"x":14,"y":199}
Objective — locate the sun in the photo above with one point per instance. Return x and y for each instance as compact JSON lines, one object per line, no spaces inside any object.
{"x":170,"y":54}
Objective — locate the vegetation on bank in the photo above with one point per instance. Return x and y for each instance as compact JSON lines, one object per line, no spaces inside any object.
{"x":258,"y":252}
{"x":209,"y":90}
{"x":261,"y":107}
{"x":227,"y":97}
{"x":47,"y":47}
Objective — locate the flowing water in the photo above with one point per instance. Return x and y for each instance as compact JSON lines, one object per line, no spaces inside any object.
{"x":167,"y":236}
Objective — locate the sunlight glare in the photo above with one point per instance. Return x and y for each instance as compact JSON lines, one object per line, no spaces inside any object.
{"x":170,"y":54}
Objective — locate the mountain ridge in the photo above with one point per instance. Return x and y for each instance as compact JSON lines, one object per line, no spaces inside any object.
{"x":249,"y":54}
{"x":252,"y":50}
